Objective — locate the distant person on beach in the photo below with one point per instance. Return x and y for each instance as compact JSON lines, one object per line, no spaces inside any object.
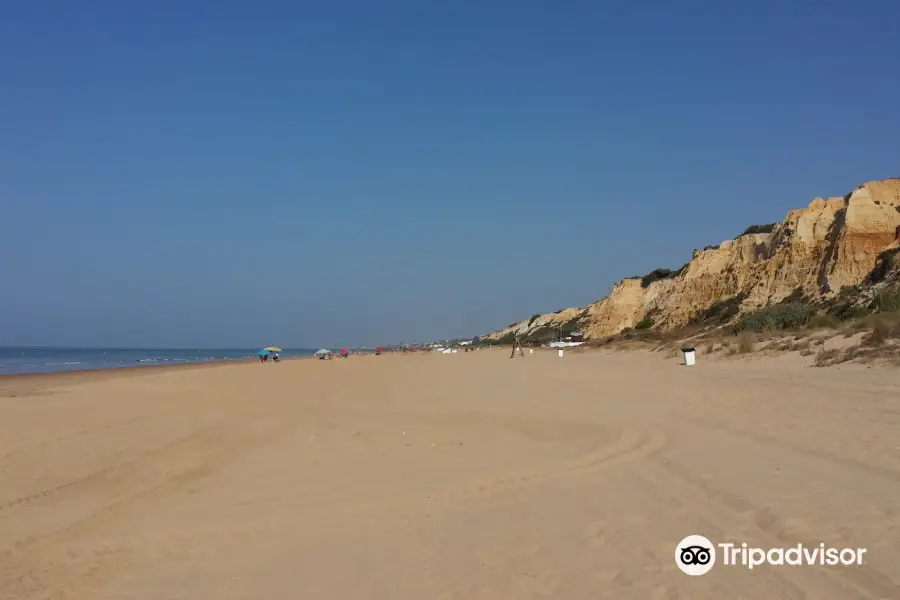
{"x":275,"y":357}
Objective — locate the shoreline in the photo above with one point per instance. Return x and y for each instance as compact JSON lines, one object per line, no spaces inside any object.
{"x":37,"y":360}
{"x":17,"y":385}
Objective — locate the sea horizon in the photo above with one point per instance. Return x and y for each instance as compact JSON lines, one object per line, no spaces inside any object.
{"x":18,"y":360}
{"x":129,"y":347}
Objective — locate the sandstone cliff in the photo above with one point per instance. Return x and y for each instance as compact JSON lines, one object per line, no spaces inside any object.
{"x":813,"y":252}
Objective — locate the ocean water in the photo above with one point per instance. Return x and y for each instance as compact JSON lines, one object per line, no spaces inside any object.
{"x":49,"y":360}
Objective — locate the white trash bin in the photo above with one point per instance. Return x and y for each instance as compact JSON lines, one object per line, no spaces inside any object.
{"x":531,"y":351}
{"x":560,"y":352}
{"x":690,"y":356}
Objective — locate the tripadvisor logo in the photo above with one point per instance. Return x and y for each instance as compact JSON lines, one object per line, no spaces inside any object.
{"x":696,"y":555}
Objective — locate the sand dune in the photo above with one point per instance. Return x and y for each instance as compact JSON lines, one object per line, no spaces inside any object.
{"x":469,"y":476}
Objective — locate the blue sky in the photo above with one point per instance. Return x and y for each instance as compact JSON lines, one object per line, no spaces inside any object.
{"x":238,"y":173}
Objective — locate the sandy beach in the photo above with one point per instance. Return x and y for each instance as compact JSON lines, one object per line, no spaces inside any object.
{"x":466,"y":476}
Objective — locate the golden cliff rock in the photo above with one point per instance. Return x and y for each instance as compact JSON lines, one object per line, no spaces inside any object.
{"x":813,"y":253}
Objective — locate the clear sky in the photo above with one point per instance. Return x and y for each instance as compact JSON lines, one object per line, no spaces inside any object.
{"x":185,"y":173}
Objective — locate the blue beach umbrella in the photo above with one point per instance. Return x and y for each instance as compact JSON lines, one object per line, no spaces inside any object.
{"x":262,"y":352}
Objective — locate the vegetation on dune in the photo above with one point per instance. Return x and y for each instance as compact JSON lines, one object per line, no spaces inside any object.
{"x":775,"y":317}
{"x":882,"y":326}
{"x":845,"y":311}
{"x":746,"y":343}
{"x":792,"y":345}
{"x":827,"y":357}
{"x":881,"y":331}
{"x":824,"y":321}
{"x":853,"y":312}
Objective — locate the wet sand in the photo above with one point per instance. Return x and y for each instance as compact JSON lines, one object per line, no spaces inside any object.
{"x":35,"y":384}
{"x":468,"y":476}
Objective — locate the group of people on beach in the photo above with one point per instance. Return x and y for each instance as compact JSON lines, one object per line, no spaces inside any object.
{"x":265,"y":357}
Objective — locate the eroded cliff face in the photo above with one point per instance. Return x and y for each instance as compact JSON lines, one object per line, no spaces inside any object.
{"x":549,"y":323}
{"x":818,"y":250}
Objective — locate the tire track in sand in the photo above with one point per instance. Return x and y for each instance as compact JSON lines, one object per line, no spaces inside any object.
{"x":732,"y":515}
{"x":61,"y":564}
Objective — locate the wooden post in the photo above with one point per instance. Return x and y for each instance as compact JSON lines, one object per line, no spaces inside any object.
{"x":517,"y":344}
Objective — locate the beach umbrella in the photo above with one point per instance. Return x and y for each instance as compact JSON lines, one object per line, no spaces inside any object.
{"x":323,"y":351}
{"x":262,"y":352}
{"x":272,"y":349}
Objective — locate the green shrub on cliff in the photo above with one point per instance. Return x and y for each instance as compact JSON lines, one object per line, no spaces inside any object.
{"x":721,"y":311}
{"x":888,"y":299}
{"x":851,"y":313}
{"x":777,"y":316}
{"x":645,"y":323}
{"x":887,"y":262}
{"x":768,"y":228}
